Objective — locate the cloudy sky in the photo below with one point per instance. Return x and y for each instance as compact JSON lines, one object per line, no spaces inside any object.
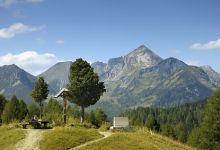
{"x":35,"y":34}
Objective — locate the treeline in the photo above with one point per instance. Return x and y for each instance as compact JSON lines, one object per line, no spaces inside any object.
{"x":15,"y":110}
{"x":197,"y":123}
{"x":176,"y":122}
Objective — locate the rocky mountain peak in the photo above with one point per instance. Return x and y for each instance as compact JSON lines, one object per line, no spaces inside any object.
{"x":142,"y":57}
{"x":212,"y":74}
{"x":170,"y":65}
{"x":207,"y":67}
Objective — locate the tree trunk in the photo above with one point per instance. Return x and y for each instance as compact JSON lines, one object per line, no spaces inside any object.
{"x":40,"y":110}
{"x":82,"y":114}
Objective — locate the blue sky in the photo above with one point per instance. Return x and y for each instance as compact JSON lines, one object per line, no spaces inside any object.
{"x":35,"y":34}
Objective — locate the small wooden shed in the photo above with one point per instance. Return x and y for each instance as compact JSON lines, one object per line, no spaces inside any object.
{"x":120,"y":122}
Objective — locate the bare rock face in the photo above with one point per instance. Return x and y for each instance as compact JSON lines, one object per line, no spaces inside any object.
{"x":140,"y":58}
{"x":213,"y":75}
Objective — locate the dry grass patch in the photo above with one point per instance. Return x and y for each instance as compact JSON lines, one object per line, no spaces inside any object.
{"x":9,"y":136}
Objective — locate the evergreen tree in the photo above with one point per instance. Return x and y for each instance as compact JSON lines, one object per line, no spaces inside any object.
{"x":181,"y":132}
{"x":210,"y":127}
{"x":85,"y":87}
{"x":73,"y":111}
{"x":11,"y":110}
{"x":168,"y":130}
{"x":153,"y":124}
{"x":33,"y":109}
{"x":40,"y":92}
{"x":100,"y":116}
{"x":91,"y":118}
{"x":23,"y":111}
{"x":194,"y":138}
{"x":3,"y":101}
{"x":53,"y":111}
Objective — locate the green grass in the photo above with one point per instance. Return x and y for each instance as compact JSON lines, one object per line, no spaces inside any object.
{"x":64,"y":138}
{"x":9,"y":136}
{"x":136,"y":140}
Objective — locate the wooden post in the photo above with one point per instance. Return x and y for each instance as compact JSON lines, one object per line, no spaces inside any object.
{"x":64,"y":106}
{"x":64,"y":94}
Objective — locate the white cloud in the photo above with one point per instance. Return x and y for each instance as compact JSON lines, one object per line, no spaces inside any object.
{"x":30,"y":61}
{"x":209,"y":45}
{"x":193,"y":63}
{"x":8,"y":3}
{"x":17,"y":28}
{"x":60,"y":41}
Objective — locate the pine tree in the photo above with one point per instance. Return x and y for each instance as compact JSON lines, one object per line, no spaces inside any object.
{"x":11,"y":110}
{"x":195,"y":137}
{"x":23,"y":111}
{"x":210,"y":127}
{"x":100,"y":116}
{"x":53,"y":111}
{"x":85,"y":87}
{"x":73,"y":111}
{"x":91,"y":118}
{"x":40,"y":92}
{"x":33,"y":109}
{"x":152,"y":124}
{"x":3,"y":101}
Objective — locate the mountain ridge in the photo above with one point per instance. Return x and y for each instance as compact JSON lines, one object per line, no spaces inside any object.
{"x":140,"y":78}
{"x":16,"y":81}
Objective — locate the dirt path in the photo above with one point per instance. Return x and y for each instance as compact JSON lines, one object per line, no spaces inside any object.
{"x":105,"y":134}
{"x":31,"y":141}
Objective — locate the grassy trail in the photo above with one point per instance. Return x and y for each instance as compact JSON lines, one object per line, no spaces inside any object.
{"x":105,"y":135}
{"x":31,"y":141}
{"x":9,"y":136}
{"x":136,"y":140}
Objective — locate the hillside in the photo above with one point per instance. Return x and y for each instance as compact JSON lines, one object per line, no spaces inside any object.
{"x":66,"y":138}
{"x":142,"y":78}
{"x":136,"y":140}
{"x":165,"y":83}
{"x":57,"y":76}
{"x":16,"y":81}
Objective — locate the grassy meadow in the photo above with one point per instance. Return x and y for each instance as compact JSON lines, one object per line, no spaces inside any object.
{"x":136,"y":140}
{"x":61,"y":138}
{"x":9,"y":136}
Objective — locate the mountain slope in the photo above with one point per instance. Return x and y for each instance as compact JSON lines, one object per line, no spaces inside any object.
{"x":213,"y":75}
{"x":137,"y":140}
{"x":139,"y":58}
{"x":169,"y":83}
{"x":142,"y":78}
{"x":57,"y":76}
{"x":15,"y":81}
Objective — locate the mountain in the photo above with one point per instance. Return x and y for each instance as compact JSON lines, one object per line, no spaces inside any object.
{"x":139,"y":58}
{"x":140,"y":78}
{"x":213,"y":75}
{"x":16,"y":81}
{"x":57,"y":76}
{"x":147,"y":80}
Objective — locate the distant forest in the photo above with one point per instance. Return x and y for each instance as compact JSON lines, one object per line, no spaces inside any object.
{"x":176,"y":122}
{"x":194,"y":123}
